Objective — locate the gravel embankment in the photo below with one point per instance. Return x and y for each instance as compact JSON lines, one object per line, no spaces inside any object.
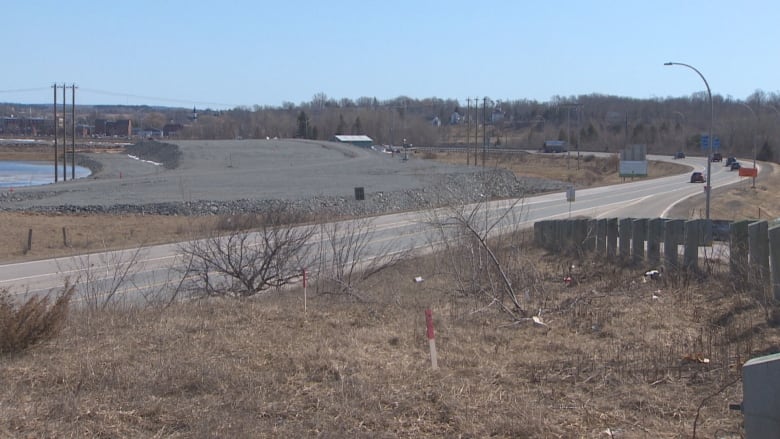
{"x":231,"y":177}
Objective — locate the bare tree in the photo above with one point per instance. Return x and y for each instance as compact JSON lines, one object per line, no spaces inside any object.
{"x":245,"y":262}
{"x":474,"y":237}
{"x":350,"y":255}
{"x":102,"y":277}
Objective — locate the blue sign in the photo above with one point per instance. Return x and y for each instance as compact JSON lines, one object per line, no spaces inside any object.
{"x":705,"y":142}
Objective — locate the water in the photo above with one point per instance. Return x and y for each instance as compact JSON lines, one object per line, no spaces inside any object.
{"x":19,"y":174}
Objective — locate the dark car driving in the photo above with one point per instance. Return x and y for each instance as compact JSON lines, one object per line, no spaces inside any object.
{"x":697,"y":177}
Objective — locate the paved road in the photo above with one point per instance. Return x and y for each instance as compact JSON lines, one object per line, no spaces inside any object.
{"x":154,"y":269}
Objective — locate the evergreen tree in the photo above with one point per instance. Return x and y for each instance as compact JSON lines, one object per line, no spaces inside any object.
{"x":342,"y":127}
{"x":303,"y":124}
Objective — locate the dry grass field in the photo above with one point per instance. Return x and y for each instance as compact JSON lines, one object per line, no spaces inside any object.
{"x":612,"y":355}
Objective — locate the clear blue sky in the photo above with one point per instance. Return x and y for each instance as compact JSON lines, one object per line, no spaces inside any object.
{"x":222,"y":54}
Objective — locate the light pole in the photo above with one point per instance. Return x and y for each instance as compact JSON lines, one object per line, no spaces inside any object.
{"x":708,"y":184}
{"x":754,"y":142}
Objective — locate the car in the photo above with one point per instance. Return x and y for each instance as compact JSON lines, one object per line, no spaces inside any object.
{"x":679,"y":155}
{"x":735,"y":166}
{"x":730,"y":161}
{"x":717,"y":157}
{"x":698,"y":177}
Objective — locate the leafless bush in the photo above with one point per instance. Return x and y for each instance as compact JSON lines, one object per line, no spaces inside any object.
{"x":350,"y":255}
{"x":33,"y":321}
{"x":471,"y":236}
{"x":102,"y":277}
{"x":245,"y":262}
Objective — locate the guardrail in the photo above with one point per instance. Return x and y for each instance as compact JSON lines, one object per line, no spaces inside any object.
{"x":752,"y":247}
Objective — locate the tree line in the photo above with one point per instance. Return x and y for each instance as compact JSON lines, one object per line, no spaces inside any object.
{"x":588,"y":122}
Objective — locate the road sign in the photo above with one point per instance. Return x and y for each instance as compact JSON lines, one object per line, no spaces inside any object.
{"x":705,"y":141}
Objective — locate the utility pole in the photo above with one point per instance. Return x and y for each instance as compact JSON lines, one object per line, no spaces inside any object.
{"x":64,"y":138}
{"x":56,"y":136}
{"x":484,"y":129}
{"x":73,"y":132}
{"x":476,"y":129}
{"x":468,"y":131}
{"x":579,"y":132}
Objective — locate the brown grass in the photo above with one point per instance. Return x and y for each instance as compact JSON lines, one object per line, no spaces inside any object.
{"x":586,"y":171}
{"x":87,"y":233}
{"x":34,"y":321}
{"x":612,"y":357}
{"x":618,"y":357}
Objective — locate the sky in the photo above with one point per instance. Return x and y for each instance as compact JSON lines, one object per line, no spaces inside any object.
{"x":225,"y":54}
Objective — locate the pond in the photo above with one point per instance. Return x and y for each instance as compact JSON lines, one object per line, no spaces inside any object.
{"x":20,"y":174}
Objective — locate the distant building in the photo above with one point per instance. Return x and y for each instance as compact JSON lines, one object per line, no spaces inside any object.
{"x":30,"y":126}
{"x":436,"y":121}
{"x":119,"y":128}
{"x":497,"y":116}
{"x":172,"y":129}
{"x":357,"y":140}
{"x":455,"y":118}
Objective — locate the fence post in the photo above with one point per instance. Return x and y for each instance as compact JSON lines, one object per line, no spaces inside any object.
{"x":538,"y":234}
{"x":758,"y":246}
{"x":638,"y":236}
{"x":612,"y":237}
{"x":624,"y":231}
{"x":591,"y":235}
{"x":774,"y":260}
{"x":691,"y":252}
{"x":738,"y":250}
{"x":674,"y":235}
{"x":655,"y":232}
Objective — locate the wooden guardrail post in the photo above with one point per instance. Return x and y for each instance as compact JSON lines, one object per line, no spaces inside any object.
{"x":758,"y":248}
{"x":601,"y":236}
{"x":738,"y":250}
{"x":655,"y":233}
{"x":624,"y":245}
{"x":612,"y":237}
{"x":674,"y":235}
{"x":638,"y":236}
{"x":691,"y":251}
{"x":774,"y":260}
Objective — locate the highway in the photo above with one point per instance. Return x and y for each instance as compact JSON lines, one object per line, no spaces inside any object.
{"x":153,"y":274}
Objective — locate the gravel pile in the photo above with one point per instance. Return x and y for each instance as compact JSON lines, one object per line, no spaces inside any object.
{"x":453,"y":188}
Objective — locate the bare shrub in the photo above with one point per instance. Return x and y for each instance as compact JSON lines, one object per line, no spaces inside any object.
{"x":349,"y":256}
{"x":245,"y":262}
{"x":36,"y":320}
{"x":470,"y":236}
{"x":103,"y":277}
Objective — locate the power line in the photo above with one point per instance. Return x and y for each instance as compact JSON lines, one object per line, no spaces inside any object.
{"x":24,"y":90}
{"x":154,"y":98}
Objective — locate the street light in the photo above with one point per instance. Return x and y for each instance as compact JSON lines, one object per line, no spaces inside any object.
{"x":708,"y":186}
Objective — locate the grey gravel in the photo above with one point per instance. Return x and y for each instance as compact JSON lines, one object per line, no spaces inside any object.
{"x":249,"y":176}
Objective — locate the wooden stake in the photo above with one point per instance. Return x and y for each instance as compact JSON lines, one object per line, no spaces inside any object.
{"x":304,"y":291}
{"x":431,"y":338}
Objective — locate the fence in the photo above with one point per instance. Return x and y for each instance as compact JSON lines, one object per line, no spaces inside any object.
{"x":752,"y":247}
